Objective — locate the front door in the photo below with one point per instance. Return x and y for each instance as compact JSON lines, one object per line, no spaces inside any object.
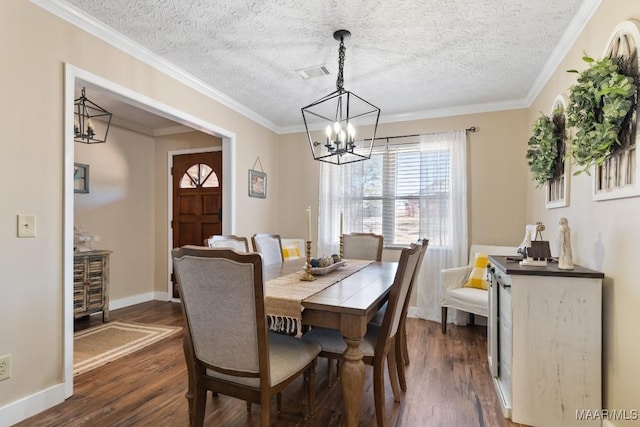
{"x":197,"y":199}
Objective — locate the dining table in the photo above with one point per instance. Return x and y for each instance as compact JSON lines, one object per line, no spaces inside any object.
{"x":347,"y":306}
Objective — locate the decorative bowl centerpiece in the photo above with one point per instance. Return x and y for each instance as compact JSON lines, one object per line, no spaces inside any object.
{"x":326,"y":264}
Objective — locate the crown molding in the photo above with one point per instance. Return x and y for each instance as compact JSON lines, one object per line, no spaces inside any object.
{"x":431,"y":114}
{"x":69,"y":13}
{"x":74,"y":16}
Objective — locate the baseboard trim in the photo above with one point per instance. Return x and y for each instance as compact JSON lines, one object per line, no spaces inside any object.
{"x":137,"y":299}
{"x":28,"y":406}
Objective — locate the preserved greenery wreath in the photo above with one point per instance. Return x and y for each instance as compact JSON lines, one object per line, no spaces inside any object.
{"x":601,"y":104}
{"x":546,"y":147}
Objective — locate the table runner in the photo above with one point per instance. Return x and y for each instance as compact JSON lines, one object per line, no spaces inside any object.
{"x":284,"y":295}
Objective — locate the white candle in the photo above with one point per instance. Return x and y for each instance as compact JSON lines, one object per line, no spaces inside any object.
{"x":340,"y":223}
{"x":309,"y":224}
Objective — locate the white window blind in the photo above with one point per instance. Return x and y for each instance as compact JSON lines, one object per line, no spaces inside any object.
{"x":405,"y":192}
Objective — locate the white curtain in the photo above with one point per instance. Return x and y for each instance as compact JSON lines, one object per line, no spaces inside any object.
{"x":454,"y":253}
{"x":341,"y":189}
{"x":338,"y":184}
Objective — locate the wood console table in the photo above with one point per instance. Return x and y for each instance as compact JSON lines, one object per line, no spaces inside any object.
{"x":91,"y":283}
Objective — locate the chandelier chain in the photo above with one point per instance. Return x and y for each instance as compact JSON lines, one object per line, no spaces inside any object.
{"x":341,"y":55}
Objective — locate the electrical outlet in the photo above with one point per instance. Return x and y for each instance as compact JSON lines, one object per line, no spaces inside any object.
{"x":5,"y":367}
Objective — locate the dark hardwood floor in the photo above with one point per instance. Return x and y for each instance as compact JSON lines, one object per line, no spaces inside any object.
{"x":448,"y":385}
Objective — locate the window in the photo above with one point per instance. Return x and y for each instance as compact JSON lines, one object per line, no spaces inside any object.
{"x":199,"y":176}
{"x":405,"y":192}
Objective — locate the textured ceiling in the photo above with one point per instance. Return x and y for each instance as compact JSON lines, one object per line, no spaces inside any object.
{"x":406,"y":57}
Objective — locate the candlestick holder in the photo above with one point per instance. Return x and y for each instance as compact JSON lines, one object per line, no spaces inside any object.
{"x":341,"y":246}
{"x":307,"y":276}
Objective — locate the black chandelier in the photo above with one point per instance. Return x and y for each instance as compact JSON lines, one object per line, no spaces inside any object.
{"x":84,"y":129}
{"x":343,"y":112}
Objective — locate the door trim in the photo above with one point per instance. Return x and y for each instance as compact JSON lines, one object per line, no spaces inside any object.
{"x":228,"y":199}
{"x":71,"y":74}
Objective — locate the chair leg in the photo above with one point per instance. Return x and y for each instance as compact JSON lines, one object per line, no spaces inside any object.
{"x":393,"y":367}
{"x":248,"y":407}
{"x":444,"y":320}
{"x":403,"y":341}
{"x":472,"y":319}
{"x":329,"y":364}
{"x":265,"y":410}
{"x":400,"y":368}
{"x":279,"y":402}
{"x":310,"y":381}
{"x":378,"y":390}
{"x":199,"y":403}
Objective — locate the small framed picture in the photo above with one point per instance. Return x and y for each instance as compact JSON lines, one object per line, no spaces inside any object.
{"x":257,"y":184}
{"x":80,"y":178}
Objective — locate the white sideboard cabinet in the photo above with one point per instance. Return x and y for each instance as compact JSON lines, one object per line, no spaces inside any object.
{"x":545,"y":342}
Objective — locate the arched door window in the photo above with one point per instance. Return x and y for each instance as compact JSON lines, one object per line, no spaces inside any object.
{"x":199,"y":176}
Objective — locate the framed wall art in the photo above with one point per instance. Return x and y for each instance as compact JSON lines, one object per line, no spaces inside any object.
{"x":80,"y":178}
{"x":257,"y":181}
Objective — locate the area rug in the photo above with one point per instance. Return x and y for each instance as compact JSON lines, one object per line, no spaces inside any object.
{"x":105,"y":343}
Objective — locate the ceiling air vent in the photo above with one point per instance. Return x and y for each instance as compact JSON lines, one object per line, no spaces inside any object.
{"x":312,"y":72}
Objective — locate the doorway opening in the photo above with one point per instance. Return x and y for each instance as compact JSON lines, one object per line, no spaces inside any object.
{"x":122,"y":94}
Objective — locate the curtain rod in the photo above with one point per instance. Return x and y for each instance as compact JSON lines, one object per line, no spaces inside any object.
{"x":471,"y":129}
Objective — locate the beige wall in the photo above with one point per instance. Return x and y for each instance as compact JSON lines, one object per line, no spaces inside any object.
{"x":605,"y":234}
{"x":493,"y":175}
{"x":119,"y":205}
{"x":35,"y":47}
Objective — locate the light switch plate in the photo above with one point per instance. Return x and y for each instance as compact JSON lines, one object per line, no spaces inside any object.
{"x":26,"y":226}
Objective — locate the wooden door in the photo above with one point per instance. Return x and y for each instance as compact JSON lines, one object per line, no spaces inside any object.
{"x":197,"y":199}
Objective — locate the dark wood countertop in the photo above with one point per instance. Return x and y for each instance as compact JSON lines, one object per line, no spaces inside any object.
{"x":514,"y":268}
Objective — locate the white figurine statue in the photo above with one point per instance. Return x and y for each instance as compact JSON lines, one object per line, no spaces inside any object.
{"x":565,"y":259}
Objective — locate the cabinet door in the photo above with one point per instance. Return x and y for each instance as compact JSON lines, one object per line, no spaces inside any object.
{"x":95,"y":282}
{"x":505,"y":340}
{"x":79,"y":280}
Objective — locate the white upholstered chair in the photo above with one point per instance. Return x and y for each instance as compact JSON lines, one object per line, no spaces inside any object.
{"x":363,"y":246}
{"x":229,"y":241}
{"x":471,"y":300}
{"x":227,"y":346}
{"x":270,"y":246}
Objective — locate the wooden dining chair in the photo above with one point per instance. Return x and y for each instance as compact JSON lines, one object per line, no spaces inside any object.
{"x":379,"y":344}
{"x":402,"y":351}
{"x":227,"y":346}
{"x":363,"y":246}
{"x":270,"y":246}
{"x":229,"y":241}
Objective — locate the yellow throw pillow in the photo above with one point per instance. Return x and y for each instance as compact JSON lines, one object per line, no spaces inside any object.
{"x":291,"y":251}
{"x":478,"y":277}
